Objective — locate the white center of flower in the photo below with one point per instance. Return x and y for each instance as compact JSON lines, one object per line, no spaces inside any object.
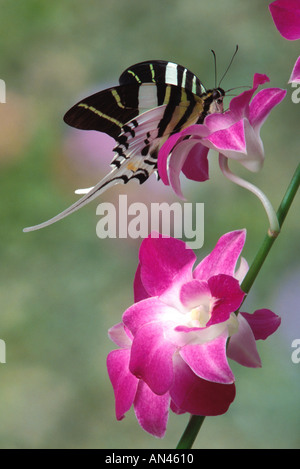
{"x":199,"y":316}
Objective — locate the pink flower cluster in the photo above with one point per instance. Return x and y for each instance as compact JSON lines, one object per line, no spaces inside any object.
{"x":174,"y":342}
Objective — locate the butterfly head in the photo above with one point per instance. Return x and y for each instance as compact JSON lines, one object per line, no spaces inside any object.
{"x":216,"y":100}
{"x":212,"y":101}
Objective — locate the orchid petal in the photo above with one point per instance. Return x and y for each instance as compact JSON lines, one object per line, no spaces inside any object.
{"x":242,"y":346}
{"x":195,"y":130}
{"x":218,"y":121}
{"x":208,"y":361}
{"x":286,"y":16}
{"x":146,"y":311}
{"x":187,"y":335}
{"x":224,"y":256}
{"x":164,"y":262}
{"x":260,"y":79}
{"x":195,"y":166}
{"x":139,"y":290}
{"x":176,"y":409}
{"x":198,"y":131}
{"x":242,"y":270}
{"x":252,"y":157}
{"x":262,"y":104}
{"x":194,"y":293}
{"x":198,"y":396}
{"x":179,"y":156}
{"x":295,"y":76}
{"x":228,"y":297}
{"x":151,"y":410}
{"x":263,"y":323}
{"x":123,"y":381}
{"x":239,"y":105}
{"x":163,"y":155}
{"x":151,"y":358}
{"x":232,"y":138}
{"x":120,"y":335}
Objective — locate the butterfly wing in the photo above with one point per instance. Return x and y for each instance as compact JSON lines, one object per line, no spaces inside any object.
{"x":154,"y":100}
{"x":142,"y":87}
{"x":106,"y":111}
{"x":128,"y":164}
{"x":161,"y":71}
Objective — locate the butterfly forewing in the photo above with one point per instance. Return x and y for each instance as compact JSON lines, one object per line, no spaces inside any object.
{"x":161,"y":71}
{"x":142,"y":87}
{"x":106,"y":111}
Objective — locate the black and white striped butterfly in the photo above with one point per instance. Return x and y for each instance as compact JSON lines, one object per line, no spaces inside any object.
{"x":154,"y":100}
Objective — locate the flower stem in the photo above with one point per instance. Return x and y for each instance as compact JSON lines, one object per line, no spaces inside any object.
{"x":274,"y":224}
{"x":196,"y":421}
{"x":191,"y":432}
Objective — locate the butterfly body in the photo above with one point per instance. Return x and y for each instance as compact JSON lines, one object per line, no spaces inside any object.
{"x":154,"y":100}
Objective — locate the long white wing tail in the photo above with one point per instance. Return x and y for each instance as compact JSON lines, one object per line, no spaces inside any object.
{"x":102,"y":186}
{"x":135,"y":159}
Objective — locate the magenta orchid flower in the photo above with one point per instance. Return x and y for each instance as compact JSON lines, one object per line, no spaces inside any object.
{"x":173,"y":342}
{"x":295,"y":76}
{"x":286,"y":16}
{"x":235,"y":134}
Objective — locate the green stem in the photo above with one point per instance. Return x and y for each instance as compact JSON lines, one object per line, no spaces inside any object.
{"x":191,"y":432}
{"x":196,"y":421}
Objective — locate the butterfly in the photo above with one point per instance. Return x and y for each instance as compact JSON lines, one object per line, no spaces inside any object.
{"x":154,"y":100}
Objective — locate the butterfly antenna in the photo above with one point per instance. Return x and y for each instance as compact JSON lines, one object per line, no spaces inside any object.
{"x":224,"y":74}
{"x":215,"y":62}
{"x":237,"y":88}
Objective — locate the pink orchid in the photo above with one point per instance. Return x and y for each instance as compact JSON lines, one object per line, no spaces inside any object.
{"x":174,"y":340}
{"x":286,"y":16}
{"x":295,"y":76}
{"x":235,"y":134}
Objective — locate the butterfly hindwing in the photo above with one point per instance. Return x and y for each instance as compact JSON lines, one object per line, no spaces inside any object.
{"x":132,"y":164}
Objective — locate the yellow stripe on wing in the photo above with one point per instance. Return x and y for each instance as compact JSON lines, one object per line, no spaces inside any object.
{"x":101,"y":114}
{"x":117,"y":98}
{"x":134,"y":75}
{"x":152,"y":72}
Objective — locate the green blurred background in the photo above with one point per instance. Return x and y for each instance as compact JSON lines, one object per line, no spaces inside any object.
{"x":61,"y":288}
